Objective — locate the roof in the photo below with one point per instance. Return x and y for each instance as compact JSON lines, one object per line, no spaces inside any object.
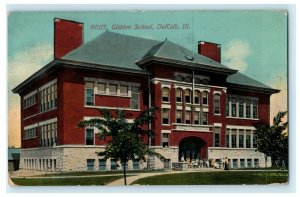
{"x":119,"y":52}
{"x":13,"y":153}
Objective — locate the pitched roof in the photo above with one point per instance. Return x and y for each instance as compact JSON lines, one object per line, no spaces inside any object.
{"x":242,"y":79}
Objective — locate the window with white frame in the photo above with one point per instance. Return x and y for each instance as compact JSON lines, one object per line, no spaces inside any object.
{"x":48,"y":98}
{"x":197,"y":97}
{"x":241,"y":138}
{"x":187,"y":96}
{"x":123,"y":90}
{"x":113,"y":89}
{"x":48,"y":135}
{"x":205,"y":98}
{"x":178,"y":116}
{"x":29,"y":133}
{"x":90,"y":163}
{"x":216,"y":104}
{"x":196,"y":117}
{"x":233,"y":107}
{"x":254,"y":141}
{"x":217,"y":131}
{"x":227,"y":138}
{"x":89,"y":93}
{"x":255,"y":107}
{"x":241,"y":108}
{"x":135,"y":98}
{"x":29,"y":101}
{"x":178,"y":95}
{"x":165,"y":94}
{"x":102,"y":164}
{"x":165,"y":140}
{"x":89,"y":136}
{"x":233,"y":139}
{"x":205,"y":118}
{"x":165,"y":116}
{"x":187,"y":117}
{"x":101,"y":88}
{"x":248,"y":139}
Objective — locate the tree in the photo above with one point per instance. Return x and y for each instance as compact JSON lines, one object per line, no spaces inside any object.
{"x":273,"y":140}
{"x":125,"y":141}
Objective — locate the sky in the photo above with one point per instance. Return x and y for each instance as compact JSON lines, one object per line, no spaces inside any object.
{"x":254,"y":42}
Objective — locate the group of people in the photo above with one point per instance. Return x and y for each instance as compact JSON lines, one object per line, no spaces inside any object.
{"x":222,"y":163}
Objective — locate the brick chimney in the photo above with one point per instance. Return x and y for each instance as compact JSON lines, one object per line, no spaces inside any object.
{"x":68,"y":35}
{"x":210,"y":50}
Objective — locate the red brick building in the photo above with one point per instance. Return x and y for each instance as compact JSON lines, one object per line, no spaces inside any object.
{"x":207,"y":110}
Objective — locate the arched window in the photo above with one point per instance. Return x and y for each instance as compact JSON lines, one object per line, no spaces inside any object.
{"x":188,"y":79}
{"x":178,"y":95}
{"x":187,"y":96}
{"x":197,"y":97}
{"x":178,"y":78}
{"x":197,"y":80}
{"x":217,"y":104}
{"x":166,"y":94}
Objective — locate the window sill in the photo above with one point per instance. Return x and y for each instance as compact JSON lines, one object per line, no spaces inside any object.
{"x":242,"y":118}
{"x":217,"y":114}
{"x":30,"y":138}
{"x":114,"y":95}
{"x":116,"y":108}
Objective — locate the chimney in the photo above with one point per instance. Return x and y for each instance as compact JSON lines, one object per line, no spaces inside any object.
{"x":68,"y":35}
{"x":210,"y":50}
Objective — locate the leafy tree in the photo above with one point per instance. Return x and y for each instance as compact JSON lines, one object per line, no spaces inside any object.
{"x":125,"y":141}
{"x":273,"y":140}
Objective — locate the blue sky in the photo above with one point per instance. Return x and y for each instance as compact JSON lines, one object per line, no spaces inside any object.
{"x":254,"y":42}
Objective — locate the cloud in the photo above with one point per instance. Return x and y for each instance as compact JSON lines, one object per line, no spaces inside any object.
{"x":20,"y":67}
{"x":235,"y":54}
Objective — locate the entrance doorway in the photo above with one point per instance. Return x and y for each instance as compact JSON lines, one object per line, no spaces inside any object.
{"x":190,"y":149}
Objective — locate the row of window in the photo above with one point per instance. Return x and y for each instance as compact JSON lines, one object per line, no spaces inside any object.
{"x":240,"y":139}
{"x":90,"y":164}
{"x":189,"y":79}
{"x":48,"y":98}
{"x":187,"y":96}
{"x":48,"y":135}
{"x":113,"y":90}
{"x":29,"y":133}
{"x":240,"y":163}
{"x":242,"y":107}
{"x":199,"y":118}
{"x":40,"y":164}
{"x":29,"y":101}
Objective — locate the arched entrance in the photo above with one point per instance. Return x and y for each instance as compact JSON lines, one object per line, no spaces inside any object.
{"x":192,"y":148}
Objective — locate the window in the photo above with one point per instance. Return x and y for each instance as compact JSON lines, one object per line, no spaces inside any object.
{"x":113,"y":89}
{"x":178,"y":95}
{"x":254,"y":142}
{"x":249,"y":163}
{"x":242,"y":163}
{"x":102,"y":164}
{"x":89,"y":93}
{"x":217,"y":104}
{"x":205,"y":81}
{"x":48,"y":135}
{"x":165,"y":94}
{"x":29,"y":133}
{"x":90,"y":164}
{"x":178,"y":78}
{"x":123,"y":90}
{"x":48,"y":98}
{"x":241,"y":108}
{"x":101,"y":88}
{"x":248,"y":108}
{"x":254,"y":106}
{"x":187,"y":117}
{"x":165,"y":140}
{"x":135,"y":101}
{"x":205,"y":98}
{"x":233,"y":107}
{"x":179,"y":116}
{"x":227,"y":106}
{"x":136,"y":164}
{"x":217,"y":136}
{"x":197,"y":80}
{"x":248,"y":139}
{"x":233,"y":139}
{"x":187,"y":95}
{"x":227,"y":138}
{"x":197,"y":97}
{"x":188,"y":79}
{"x":256,"y":163}
{"x":165,"y":116}
{"x":29,"y":101}
{"x":205,"y":118}
{"x":234,"y":163}
{"x":89,"y":136}
{"x":241,"y":139}
{"x":196,"y":117}
{"x":113,"y":164}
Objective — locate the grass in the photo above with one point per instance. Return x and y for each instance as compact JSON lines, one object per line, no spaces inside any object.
{"x":72,"y":181}
{"x":214,"y":178}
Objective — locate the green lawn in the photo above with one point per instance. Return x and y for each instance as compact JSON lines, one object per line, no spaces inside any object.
{"x":214,"y":178}
{"x":72,"y":181}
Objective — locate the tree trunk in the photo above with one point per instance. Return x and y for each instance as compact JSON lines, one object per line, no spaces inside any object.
{"x":124,"y":172}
